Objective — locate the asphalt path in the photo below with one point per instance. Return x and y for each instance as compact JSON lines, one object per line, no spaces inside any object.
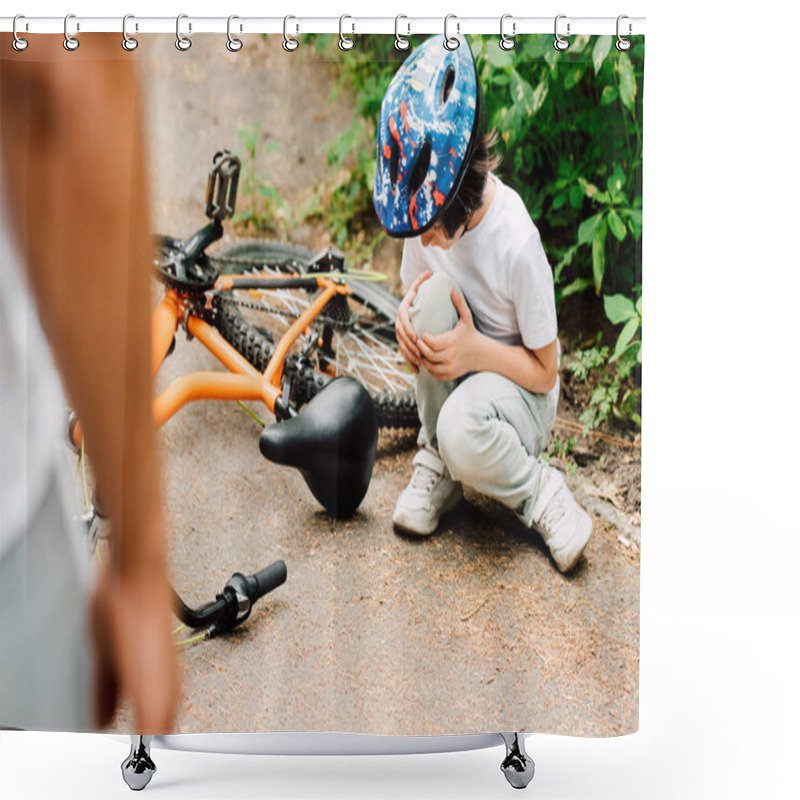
{"x":470,"y":630}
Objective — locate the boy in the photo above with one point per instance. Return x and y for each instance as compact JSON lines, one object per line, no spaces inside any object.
{"x":477,"y":325}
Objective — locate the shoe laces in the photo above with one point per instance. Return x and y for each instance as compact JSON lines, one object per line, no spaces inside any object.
{"x":424,"y":479}
{"x":555,"y":512}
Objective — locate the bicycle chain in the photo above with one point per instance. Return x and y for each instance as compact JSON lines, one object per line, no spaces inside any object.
{"x":394,"y":411}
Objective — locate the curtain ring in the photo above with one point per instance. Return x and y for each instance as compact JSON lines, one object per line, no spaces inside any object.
{"x":507,"y":42}
{"x":19,"y":43}
{"x":400,"y":42}
{"x":233,"y":44}
{"x":70,"y":42}
{"x":182,"y":42}
{"x":345,"y":42}
{"x":129,"y":43}
{"x":290,"y":44}
{"x":560,"y":42}
{"x":622,"y":43}
{"x":451,"y":42}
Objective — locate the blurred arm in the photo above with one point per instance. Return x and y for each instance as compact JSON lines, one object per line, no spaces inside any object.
{"x":72,"y":146}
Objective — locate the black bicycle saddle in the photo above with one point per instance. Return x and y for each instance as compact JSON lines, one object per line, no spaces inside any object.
{"x":332,"y":441}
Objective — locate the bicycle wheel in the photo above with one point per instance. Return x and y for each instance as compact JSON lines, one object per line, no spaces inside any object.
{"x":353,"y":335}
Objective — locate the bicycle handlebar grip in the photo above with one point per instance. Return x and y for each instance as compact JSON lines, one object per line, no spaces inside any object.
{"x":269,"y":578}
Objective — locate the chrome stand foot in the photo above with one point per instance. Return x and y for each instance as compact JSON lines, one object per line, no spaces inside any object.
{"x":138,"y":768}
{"x":518,"y":766}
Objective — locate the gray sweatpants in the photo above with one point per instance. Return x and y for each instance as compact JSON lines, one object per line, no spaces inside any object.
{"x":488,"y":430}
{"x":46,"y":659}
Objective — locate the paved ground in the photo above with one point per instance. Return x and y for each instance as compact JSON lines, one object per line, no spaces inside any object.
{"x":471,"y":630}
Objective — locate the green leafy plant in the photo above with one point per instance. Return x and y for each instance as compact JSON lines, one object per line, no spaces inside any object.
{"x":260,"y":205}
{"x":615,"y":392}
{"x":570,"y":123}
{"x":584,"y":361}
{"x":621,"y":310}
{"x":344,"y":199}
{"x":561,"y":446}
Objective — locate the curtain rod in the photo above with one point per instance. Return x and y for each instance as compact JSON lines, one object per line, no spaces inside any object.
{"x":408,"y":25}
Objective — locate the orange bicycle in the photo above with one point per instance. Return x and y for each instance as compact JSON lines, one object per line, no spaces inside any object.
{"x":312,"y":340}
{"x":300,"y":332}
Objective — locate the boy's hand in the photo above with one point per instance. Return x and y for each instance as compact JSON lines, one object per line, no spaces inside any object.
{"x":456,"y":352}
{"x":406,"y":337}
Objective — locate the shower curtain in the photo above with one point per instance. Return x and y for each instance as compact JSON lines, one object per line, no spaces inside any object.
{"x":473,"y":628}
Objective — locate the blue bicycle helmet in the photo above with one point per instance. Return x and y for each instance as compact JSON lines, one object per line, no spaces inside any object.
{"x":428,"y":130}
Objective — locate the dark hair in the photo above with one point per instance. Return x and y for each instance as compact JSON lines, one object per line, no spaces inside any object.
{"x":469,"y":197}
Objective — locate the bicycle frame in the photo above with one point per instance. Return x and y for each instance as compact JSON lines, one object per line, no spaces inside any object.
{"x":243,"y":381}
{"x":335,"y":460}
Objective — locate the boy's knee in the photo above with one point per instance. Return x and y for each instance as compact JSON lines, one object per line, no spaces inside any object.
{"x":433,"y":311}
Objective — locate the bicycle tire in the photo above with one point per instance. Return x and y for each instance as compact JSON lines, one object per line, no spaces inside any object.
{"x":366,"y":346}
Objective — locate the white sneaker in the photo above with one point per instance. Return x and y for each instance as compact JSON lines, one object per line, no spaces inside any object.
{"x":430,"y":493}
{"x":564,"y":525}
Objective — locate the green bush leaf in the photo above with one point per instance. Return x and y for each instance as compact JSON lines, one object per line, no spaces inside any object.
{"x":576,"y":195}
{"x":617,"y":180}
{"x":609,"y":95}
{"x":600,"y":51}
{"x":627,"y":82}
{"x":578,"y":43}
{"x":540,"y":95}
{"x":573,"y":76}
{"x":498,"y":57}
{"x":521,"y":92}
{"x":617,"y":225}
{"x":628,"y":332}
{"x":599,"y":256}
{"x":534,"y":47}
{"x":578,"y":285}
{"x":619,"y":308}
{"x":589,"y":188}
{"x":634,"y":217}
{"x":587,"y":230}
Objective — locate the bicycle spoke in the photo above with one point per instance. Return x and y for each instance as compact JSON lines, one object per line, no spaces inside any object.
{"x":350,"y":336}
{"x":376,"y":364}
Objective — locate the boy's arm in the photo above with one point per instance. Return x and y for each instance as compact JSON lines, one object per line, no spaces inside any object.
{"x":465,"y":349}
{"x":72,"y":149}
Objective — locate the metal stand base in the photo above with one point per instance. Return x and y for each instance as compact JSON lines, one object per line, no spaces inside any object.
{"x":138,"y":768}
{"x":518,"y":766}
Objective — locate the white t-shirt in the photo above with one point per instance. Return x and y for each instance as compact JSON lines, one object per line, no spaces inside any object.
{"x":31,"y":398}
{"x":502,"y":270}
